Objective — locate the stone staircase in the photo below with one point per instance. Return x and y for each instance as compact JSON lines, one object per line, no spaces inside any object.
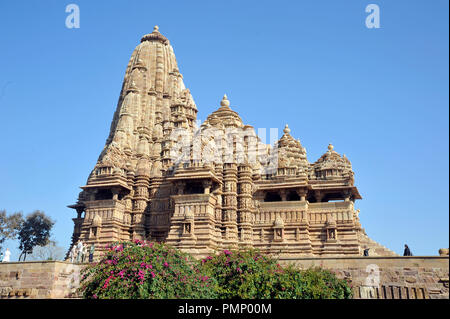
{"x":376,"y":249}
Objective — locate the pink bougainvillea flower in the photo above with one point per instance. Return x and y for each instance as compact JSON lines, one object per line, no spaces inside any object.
{"x":107,"y":282}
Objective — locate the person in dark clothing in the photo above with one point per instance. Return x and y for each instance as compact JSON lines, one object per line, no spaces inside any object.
{"x":407,"y":252}
{"x":91,"y":253}
{"x":366,"y":252}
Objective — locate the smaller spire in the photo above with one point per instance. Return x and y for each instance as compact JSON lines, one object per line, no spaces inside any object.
{"x":225,"y":102}
{"x":286,"y":130}
{"x":330,"y":147}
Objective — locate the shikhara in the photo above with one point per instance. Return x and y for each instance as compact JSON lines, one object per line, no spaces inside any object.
{"x":223,"y":189}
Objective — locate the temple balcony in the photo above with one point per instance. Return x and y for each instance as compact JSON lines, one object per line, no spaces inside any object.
{"x":342,"y":212}
{"x":331,"y":205}
{"x":302,"y":211}
{"x":288,"y":211}
{"x":198,"y":204}
{"x":106,"y":209}
{"x":283,"y":205}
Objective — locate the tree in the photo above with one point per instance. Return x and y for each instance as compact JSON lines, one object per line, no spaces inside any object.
{"x":9,"y":226}
{"x":35,"y":231}
{"x":51,"y":251}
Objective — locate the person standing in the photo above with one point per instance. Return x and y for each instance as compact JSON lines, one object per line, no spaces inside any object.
{"x":83,"y":253}
{"x":91,"y":252}
{"x":72,"y":254}
{"x":70,"y":257}
{"x":366,"y":252}
{"x":407,"y":251}
{"x":79,"y":251}
{"x":6,"y":257}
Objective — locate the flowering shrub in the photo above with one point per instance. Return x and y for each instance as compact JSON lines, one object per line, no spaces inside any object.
{"x":243,"y":274}
{"x":150,"y":270}
{"x":145,"y":270}
{"x":248,"y":274}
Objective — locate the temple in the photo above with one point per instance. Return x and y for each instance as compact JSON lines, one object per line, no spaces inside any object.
{"x":209,"y":194}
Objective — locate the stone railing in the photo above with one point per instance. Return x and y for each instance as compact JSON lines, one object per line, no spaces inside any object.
{"x":39,"y":279}
{"x":295,"y":211}
{"x":283,"y":205}
{"x":288,"y":211}
{"x":341,"y":212}
{"x":198,"y":204}
{"x":330,"y":205}
{"x":321,"y":217}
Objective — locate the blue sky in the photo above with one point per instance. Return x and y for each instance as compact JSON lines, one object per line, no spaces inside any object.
{"x":379,"y":95}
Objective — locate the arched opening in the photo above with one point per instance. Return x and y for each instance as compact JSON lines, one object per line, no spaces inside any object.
{"x":272,"y":197}
{"x":103,"y":194}
{"x":292,"y":196}
{"x":311,"y":198}
{"x":194,"y":188}
{"x":333,"y":197}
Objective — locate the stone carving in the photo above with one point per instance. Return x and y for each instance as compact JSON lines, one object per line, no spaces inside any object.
{"x":443,"y":252}
{"x":331,"y":166}
{"x":141,"y":190}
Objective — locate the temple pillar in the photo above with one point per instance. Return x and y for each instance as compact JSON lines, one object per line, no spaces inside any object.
{"x":207,"y":186}
{"x":230,"y":205}
{"x":302,"y":194}
{"x":115,"y":192}
{"x":245,"y":221}
{"x":319,"y":196}
{"x":283,"y":195}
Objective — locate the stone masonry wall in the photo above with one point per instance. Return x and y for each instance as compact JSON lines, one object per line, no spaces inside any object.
{"x":371,"y":277}
{"x":424,"y":277}
{"x":39,"y":279}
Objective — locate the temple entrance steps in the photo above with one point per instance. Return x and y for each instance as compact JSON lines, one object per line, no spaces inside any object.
{"x":375,"y":249}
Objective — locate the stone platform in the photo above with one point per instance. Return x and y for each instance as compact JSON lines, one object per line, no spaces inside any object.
{"x":415,"y":277}
{"x":421,"y":277}
{"x":39,"y":279}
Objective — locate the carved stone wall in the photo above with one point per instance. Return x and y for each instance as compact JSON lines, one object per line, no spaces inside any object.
{"x":39,"y":279}
{"x":421,"y":277}
{"x":139,"y":190}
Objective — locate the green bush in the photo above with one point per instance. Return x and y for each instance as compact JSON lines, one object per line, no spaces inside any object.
{"x":145,"y":270}
{"x":151,"y":270}
{"x":313,"y":283}
{"x":243,"y":274}
{"x":250,"y":275}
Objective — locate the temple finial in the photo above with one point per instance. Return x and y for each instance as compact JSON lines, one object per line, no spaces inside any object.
{"x":286,"y":130}
{"x":155,"y":28}
{"x":225,"y":102}
{"x":330,"y":147}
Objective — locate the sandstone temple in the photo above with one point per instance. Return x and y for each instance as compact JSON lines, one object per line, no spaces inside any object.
{"x":222,"y":189}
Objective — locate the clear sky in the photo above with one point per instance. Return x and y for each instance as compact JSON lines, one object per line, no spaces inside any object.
{"x":378,"y":95}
